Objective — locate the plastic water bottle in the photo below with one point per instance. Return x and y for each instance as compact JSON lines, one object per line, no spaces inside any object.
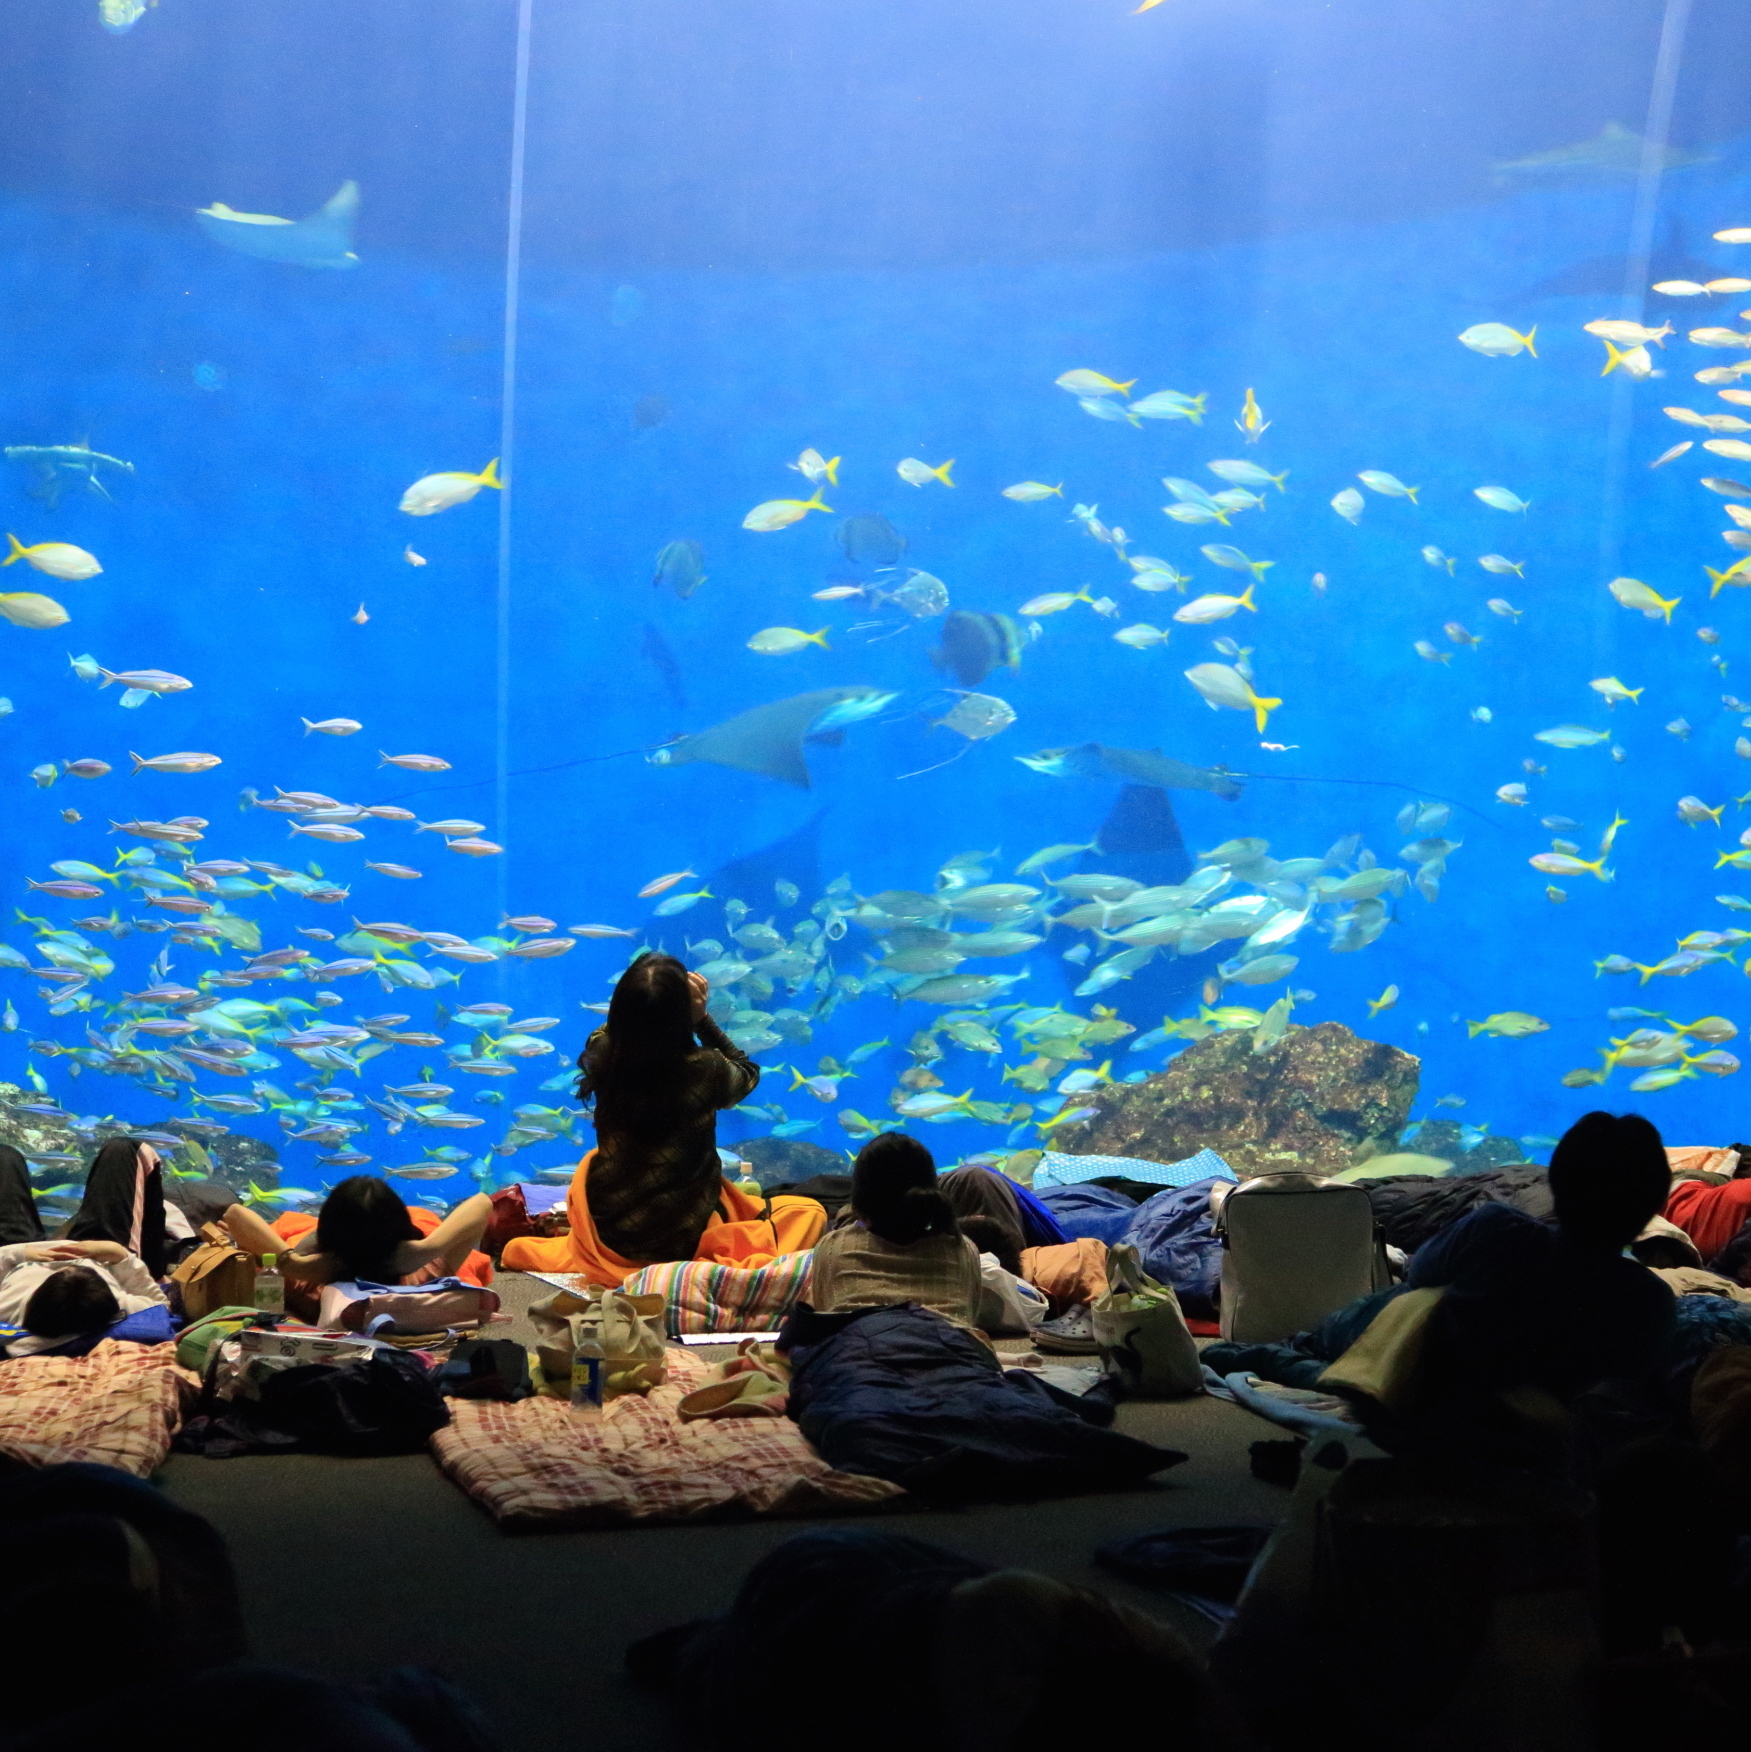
{"x":270,"y":1287}
{"x":588,"y":1370}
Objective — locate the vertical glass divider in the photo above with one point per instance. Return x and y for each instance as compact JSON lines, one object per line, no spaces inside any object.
{"x":507,"y":444}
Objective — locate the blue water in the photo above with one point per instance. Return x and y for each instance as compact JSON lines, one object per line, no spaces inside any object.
{"x":729,"y":257}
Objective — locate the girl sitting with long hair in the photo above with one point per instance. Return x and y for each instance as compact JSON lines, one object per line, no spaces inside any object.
{"x":653,"y":1189}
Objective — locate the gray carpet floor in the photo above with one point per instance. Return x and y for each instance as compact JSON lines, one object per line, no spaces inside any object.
{"x":351,"y":1566}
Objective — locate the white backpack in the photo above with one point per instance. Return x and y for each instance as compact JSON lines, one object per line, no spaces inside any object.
{"x":1294,"y":1249}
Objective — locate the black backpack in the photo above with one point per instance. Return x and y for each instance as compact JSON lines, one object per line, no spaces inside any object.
{"x":382,"y":1404}
{"x":486,"y":1368}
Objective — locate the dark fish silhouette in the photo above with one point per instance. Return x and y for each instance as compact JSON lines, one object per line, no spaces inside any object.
{"x":1615,"y":152}
{"x":870,"y":539}
{"x":1141,"y":839}
{"x":679,"y":565}
{"x":53,"y":467}
{"x":974,"y":644}
{"x":1603,"y":276}
{"x":795,"y":858}
{"x":662,"y":659}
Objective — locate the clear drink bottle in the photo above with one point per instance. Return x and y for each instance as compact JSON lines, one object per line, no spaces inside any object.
{"x":270,"y":1287}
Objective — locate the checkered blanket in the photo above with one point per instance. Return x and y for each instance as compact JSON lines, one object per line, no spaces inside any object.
{"x":119,"y":1405}
{"x":536,"y":1467}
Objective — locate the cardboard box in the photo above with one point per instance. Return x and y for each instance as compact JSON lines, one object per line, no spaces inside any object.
{"x":301,"y":1345}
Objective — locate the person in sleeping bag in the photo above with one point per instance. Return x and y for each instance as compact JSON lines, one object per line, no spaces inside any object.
{"x":652,"y":1191}
{"x":903,"y":1244}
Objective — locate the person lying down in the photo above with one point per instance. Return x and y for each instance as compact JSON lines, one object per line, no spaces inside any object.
{"x":62,"y":1290}
{"x":904,"y":1243}
{"x":104,"y":1271}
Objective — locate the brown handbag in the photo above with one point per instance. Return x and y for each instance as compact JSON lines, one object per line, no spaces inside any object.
{"x":218,"y":1274}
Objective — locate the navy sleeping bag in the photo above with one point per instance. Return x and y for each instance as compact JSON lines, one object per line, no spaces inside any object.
{"x":1088,"y":1212}
{"x":1176,"y":1236}
{"x":902,"y":1394}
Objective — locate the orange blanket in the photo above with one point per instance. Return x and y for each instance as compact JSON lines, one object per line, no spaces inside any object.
{"x":475,"y":1269}
{"x":746,"y":1236}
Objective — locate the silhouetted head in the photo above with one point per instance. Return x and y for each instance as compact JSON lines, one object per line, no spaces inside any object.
{"x":634,"y":1071}
{"x":991,"y":1236}
{"x":894,"y":1192}
{"x":992,"y":1689}
{"x":1608,"y":1175}
{"x":361,"y":1224}
{"x":71,"y":1301}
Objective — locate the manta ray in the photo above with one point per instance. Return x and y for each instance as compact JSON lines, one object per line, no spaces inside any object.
{"x":52,"y":466}
{"x":1132,"y":766}
{"x":1615,"y":151}
{"x":769,"y":739}
{"x":324,"y":240}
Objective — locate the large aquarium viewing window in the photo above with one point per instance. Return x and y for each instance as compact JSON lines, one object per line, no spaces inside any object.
{"x":1118,"y":581}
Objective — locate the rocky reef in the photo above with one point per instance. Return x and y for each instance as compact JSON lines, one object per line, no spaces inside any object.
{"x":1319,"y":1100}
{"x":1446,"y":1137}
{"x":786,"y":1161}
{"x":59,"y":1151}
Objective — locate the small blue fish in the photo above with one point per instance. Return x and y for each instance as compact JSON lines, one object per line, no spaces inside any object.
{"x":679,"y":903}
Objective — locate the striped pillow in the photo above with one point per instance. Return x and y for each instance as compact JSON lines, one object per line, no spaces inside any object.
{"x":699,"y":1296}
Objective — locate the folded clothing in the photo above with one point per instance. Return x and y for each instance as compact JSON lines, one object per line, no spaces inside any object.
{"x":1072,"y":1273}
{"x":902,"y":1394}
{"x":486,"y":1368}
{"x":432,"y":1306}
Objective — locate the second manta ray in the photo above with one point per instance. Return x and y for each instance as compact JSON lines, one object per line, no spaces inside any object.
{"x":324,"y":240}
{"x":1131,"y":766}
{"x":54,"y":466}
{"x":769,"y":739}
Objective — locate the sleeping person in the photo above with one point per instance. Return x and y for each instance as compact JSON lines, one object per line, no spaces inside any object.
{"x":72,"y":1288}
{"x":62,"y":1290}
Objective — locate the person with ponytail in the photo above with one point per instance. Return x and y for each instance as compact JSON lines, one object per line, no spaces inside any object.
{"x":652,"y":1191}
{"x":904,"y":1243}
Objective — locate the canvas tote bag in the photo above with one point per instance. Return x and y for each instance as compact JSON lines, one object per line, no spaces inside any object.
{"x":1141,"y":1333}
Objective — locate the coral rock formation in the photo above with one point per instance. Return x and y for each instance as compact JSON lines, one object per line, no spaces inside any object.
{"x":1318,"y":1100}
